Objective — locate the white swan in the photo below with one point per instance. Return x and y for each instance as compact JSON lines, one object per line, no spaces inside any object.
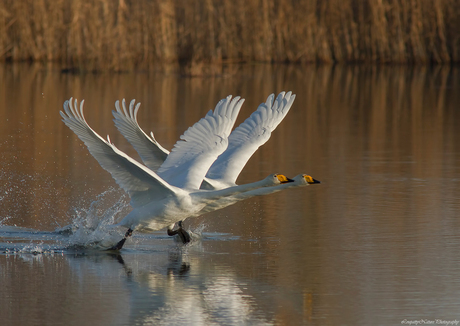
{"x":157,"y":203}
{"x":242,"y":142}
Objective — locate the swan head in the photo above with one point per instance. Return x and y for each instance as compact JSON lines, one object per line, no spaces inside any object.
{"x":277,"y":179}
{"x":305,"y":179}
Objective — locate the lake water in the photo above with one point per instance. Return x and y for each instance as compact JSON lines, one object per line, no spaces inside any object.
{"x":376,"y":243}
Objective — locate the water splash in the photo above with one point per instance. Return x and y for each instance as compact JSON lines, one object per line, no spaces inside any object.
{"x":91,"y":223}
{"x":29,"y":199}
{"x":197,"y":233}
{"x":4,"y":219}
{"x":93,"y":227}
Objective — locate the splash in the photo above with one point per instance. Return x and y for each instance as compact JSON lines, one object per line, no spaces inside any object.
{"x":197,"y":233}
{"x":4,"y":219}
{"x":93,"y":227}
{"x":30,"y":199}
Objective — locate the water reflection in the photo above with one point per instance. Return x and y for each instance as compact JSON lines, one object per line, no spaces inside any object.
{"x":139,"y":288}
{"x":190,"y":293}
{"x":376,"y":243}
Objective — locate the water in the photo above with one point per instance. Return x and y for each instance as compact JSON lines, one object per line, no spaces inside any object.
{"x":376,"y":243}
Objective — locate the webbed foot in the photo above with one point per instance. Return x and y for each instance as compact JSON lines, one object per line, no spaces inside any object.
{"x":184,"y":236}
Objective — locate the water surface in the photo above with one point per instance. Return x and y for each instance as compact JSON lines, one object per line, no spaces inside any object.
{"x":375,"y":243}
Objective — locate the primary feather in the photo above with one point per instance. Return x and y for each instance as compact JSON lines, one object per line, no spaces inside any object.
{"x":150,"y":151}
{"x":249,"y":136}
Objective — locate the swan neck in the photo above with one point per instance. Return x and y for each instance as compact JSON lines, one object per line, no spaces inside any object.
{"x":230,"y":191}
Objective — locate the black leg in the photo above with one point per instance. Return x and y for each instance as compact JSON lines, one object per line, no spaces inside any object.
{"x":172,"y":232}
{"x":120,"y":243}
{"x":183,"y":235}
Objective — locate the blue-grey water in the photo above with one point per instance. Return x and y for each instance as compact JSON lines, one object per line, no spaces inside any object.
{"x":376,"y":243}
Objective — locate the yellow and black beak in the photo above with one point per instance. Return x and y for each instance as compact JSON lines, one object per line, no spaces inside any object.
{"x":310,"y":180}
{"x":283,"y":179}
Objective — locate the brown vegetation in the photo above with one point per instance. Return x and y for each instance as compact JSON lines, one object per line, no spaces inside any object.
{"x":124,"y":34}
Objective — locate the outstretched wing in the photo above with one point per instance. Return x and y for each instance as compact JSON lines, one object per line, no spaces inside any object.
{"x":138,"y":181}
{"x":150,"y":151}
{"x":249,"y":136}
{"x":200,"y":145}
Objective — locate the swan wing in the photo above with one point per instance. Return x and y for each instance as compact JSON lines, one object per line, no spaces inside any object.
{"x":150,"y":151}
{"x":138,"y":181}
{"x":249,"y":136}
{"x":200,"y":145}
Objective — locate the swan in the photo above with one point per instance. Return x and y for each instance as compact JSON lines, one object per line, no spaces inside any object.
{"x":157,"y":203}
{"x":242,"y":143}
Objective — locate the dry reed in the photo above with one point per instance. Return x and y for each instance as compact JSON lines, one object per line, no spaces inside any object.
{"x":125,"y":35}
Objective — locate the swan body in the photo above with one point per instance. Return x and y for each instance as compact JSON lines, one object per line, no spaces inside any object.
{"x":156,"y":202}
{"x":184,"y":204}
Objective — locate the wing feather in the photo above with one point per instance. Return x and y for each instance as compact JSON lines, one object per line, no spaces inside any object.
{"x":148,"y":148}
{"x":138,"y":181}
{"x":249,"y":136}
{"x":150,"y":151}
{"x":200,"y":145}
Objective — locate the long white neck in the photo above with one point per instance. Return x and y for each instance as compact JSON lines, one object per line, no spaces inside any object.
{"x":229,"y":200}
{"x":211,"y":195}
{"x":266,"y":190}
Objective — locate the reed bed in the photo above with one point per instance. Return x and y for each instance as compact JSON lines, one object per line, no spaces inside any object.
{"x":125,"y":35}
